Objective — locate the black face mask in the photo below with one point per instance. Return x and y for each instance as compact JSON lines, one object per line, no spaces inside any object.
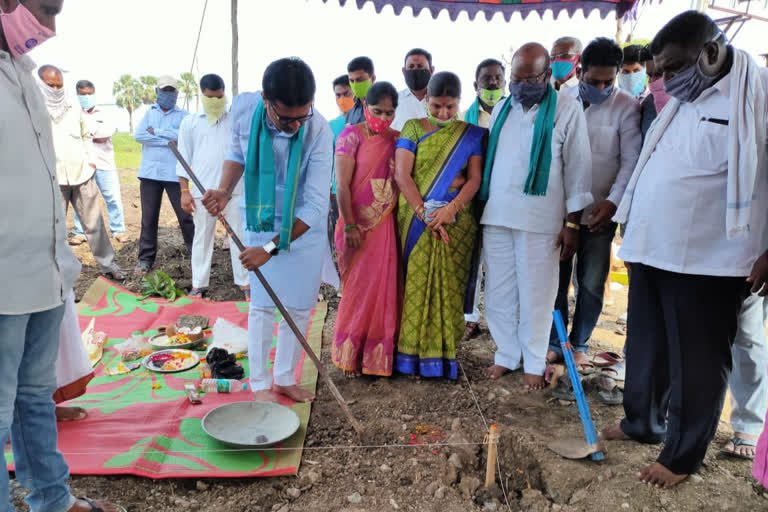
{"x":417,"y":79}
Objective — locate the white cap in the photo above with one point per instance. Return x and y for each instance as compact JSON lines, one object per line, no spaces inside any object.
{"x":165,"y":81}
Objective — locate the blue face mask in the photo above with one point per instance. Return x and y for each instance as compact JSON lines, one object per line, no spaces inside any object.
{"x":592,"y":94}
{"x":688,"y":84}
{"x":633,"y":83}
{"x":527,"y":94}
{"x":87,"y":101}
{"x":562,"y":68}
{"x":167,"y":99}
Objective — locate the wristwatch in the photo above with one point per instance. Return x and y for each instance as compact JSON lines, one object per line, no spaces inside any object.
{"x":271,"y":248}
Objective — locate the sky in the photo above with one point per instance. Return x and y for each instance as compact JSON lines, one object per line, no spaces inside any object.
{"x":100,"y":40}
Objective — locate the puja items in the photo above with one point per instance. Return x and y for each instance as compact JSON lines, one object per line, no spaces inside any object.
{"x":169,"y":361}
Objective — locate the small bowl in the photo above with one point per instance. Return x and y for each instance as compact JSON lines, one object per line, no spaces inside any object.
{"x":251,"y":424}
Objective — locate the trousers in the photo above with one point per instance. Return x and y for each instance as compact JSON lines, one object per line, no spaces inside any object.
{"x":151,"y":192}
{"x":109,"y":185}
{"x":203,"y":241}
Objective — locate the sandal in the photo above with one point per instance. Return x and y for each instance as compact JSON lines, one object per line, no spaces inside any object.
{"x":607,"y":359}
{"x":96,"y":506}
{"x":197,"y":292}
{"x":115,"y":275}
{"x":739,"y":441}
{"x":564,"y":389}
{"x":617,"y":372}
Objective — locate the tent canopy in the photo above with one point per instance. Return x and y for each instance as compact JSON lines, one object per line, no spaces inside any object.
{"x":506,"y":7}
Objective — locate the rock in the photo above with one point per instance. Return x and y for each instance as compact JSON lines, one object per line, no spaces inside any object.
{"x":608,"y":474}
{"x":354,"y":498}
{"x":384,"y":468}
{"x":564,"y":402}
{"x":406,"y":417}
{"x":696,"y":479}
{"x":201,"y":486}
{"x":394,"y":504}
{"x":468,"y":450}
{"x":491,"y":396}
{"x":455,"y":461}
{"x":405,"y":481}
{"x":284,"y":508}
{"x":450,"y":475}
{"x":534,"y":501}
{"x":440,"y":493}
{"x":556,"y":506}
{"x":293,"y":492}
{"x":456,"y":425}
{"x":491,"y":506}
{"x":276,"y":507}
{"x":469,"y":485}
{"x":431,"y":488}
{"x":625,"y":505}
{"x":578,"y":496}
{"x":503,"y":392}
{"x":311,"y":477}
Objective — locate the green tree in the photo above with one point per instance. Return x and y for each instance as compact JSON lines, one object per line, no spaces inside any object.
{"x":148,"y":89}
{"x":127,"y":93}
{"x":188,"y":87}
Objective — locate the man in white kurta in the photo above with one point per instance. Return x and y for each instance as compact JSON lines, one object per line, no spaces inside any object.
{"x":523,"y":234}
{"x":294,"y":274}
{"x":203,"y":142}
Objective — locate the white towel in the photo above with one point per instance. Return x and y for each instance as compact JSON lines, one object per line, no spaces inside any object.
{"x":746,"y":144}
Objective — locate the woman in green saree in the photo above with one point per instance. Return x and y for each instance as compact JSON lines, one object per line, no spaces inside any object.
{"x":438,"y":169}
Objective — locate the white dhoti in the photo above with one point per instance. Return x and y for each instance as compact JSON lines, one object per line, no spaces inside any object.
{"x":73,"y":368}
{"x":521,"y":277}
{"x":261,"y":327}
{"x":202,"y":244}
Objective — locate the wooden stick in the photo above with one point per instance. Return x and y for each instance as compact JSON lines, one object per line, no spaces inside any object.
{"x":286,"y":316}
{"x":490,"y":467}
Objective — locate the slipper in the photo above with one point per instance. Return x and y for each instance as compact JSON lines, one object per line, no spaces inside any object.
{"x":96,"y":508}
{"x":598,"y":382}
{"x":197,"y":292}
{"x":612,"y":397}
{"x":81,"y":415}
{"x":607,"y":359}
{"x":739,"y":441}
{"x":617,"y":372}
{"x":564,"y":389}
{"x":586,"y":368}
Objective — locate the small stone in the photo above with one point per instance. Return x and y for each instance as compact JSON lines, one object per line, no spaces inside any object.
{"x":456,"y":425}
{"x":491,"y":506}
{"x":285,"y":508}
{"x":354,"y":498}
{"x":440,"y":493}
{"x":405,"y":481}
{"x":406,"y":417}
{"x":276,"y":507}
{"x":384,"y":468}
{"x":394,"y":504}
{"x":608,"y":474}
{"x":556,"y":506}
{"x":201,"y":486}
{"x":469,"y":485}
{"x":491,"y":396}
{"x":293,"y":492}
{"x":696,"y":479}
{"x":578,"y":496}
{"x":503,"y":392}
{"x":431,"y":488}
{"x":455,"y":461}
{"x":625,"y":505}
{"x":450,"y":474}
{"x":564,"y":402}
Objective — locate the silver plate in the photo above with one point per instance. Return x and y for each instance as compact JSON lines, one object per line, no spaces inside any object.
{"x":195,"y":360}
{"x":251,"y":424}
{"x":154,"y":342}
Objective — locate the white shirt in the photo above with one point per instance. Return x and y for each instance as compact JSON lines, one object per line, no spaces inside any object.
{"x":615,"y":140}
{"x":408,"y":107}
{"x":570,"y":175}
{"x":98,"y":126}
{"x":677,"y":220}
{"x":37,"y":267}
{"x":70,"y":140}
{"x":205,"y":148}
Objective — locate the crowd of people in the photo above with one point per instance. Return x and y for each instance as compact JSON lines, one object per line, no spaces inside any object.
{"x":424,"y":206}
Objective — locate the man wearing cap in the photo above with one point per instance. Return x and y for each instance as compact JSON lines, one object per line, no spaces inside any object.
{"x":157,"y":172}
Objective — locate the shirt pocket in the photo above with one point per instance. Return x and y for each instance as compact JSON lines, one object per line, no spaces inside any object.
{"x":604,"y":140}
{"x":709,"y":152}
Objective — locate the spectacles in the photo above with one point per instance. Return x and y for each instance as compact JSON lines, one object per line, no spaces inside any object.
{"x":287,"y":121}
{"x":563,"y":56}
{"x":532,"y":80}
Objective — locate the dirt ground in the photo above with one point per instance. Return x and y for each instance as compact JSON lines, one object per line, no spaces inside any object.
{"x":338,"y":474}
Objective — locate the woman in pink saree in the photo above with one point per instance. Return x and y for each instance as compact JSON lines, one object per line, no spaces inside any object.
{"x":368,"y":320}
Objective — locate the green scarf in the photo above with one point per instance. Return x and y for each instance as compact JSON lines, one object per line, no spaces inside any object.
{"x":541,"y":147}
{"x":473,"y":113}
{"x":260,"y":180}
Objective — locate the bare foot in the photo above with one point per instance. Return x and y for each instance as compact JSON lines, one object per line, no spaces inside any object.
{"x":351,"y":374}
{"x":553,"y":357}
{"x":660,"y":477}
{"x":70,"y":413}
{"x":265,"y":395}
{"x":533,"y":382}
{"x":745,"y":449}
{"x":295,"y":393}
{"x":495,"y":372}
{"x":583,"y":364}
{"x":613,"y":433}
{"x":83,"y":505}
{"x":471,"y":330}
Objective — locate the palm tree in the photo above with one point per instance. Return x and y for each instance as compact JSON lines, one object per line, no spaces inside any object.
{"x":127,"y":91}
{"x":188,"y":87}
{"x":148,"y":92}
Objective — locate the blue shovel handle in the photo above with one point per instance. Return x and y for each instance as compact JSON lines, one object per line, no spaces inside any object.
{"x":578,"y":391}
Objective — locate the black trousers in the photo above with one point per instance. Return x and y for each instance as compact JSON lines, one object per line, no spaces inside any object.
{"x":680,"y":329}
{"x":151,"y":199}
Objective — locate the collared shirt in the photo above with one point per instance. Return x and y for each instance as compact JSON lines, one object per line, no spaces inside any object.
{"x":483,"y":118}
{"x":70,"y":140}
{"x":568,"y":84}
{"x":647,"y":114}
{"x":312,"y":200}
{"x":37,"y":266}
{"x":677,"y":219}
{"x":157,"y":161}
{"x":356,"y":115}
{"x":570,"y":175}
{"x":408,"y":107}
{"x":98,"y":127}
{"x":204,"y":147}
{"x":615,"y":141}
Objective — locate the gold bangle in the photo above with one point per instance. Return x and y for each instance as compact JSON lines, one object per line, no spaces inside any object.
{"x":573,"y":225}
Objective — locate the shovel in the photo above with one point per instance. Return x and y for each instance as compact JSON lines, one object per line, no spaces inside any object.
{"x":575,"y":448}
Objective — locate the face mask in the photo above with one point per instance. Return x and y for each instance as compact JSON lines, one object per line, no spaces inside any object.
{"x":592,"y":94}
{"x":633,"y":83}
{"x":214,"y":108}
{"x":22,"y":31}
{"x":360,"y":89}
{"x":87,"y":101}
{"x":438,"y":122}
{"x":417,"y":79}
{"x":345,"y":104}
{"x":660,"y":96}
{"x":527,"y":94}
{"x":562,"y":69}
{"x":166,"y":100}
{"x":688,"y":84}
{"x":374,"y":123}
{"x":490,"y":96}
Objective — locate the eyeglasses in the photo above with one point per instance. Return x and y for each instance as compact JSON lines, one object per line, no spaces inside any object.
{"x":532,"y":80}
{"x":287,"y":121}
{"x":563,"y":56}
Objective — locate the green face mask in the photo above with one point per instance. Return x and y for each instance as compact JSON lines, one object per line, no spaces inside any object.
{"x":490,"y":97}
{"x":438,"y":122}
{"x":360,"y":89}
